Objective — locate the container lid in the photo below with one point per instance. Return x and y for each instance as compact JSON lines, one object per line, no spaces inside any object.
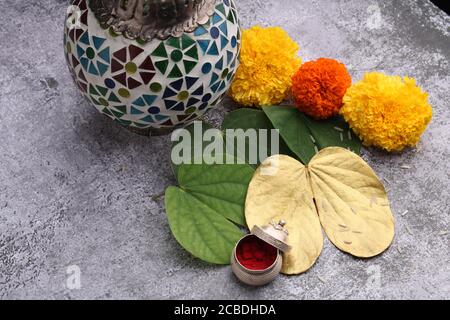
{"x":274,"y":234}
{"x":146,"y":20}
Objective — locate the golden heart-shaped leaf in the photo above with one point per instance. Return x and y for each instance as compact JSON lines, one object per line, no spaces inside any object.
{"x":337,"y":190}
{"x":280,"y":190}
{"x":352,"y":203}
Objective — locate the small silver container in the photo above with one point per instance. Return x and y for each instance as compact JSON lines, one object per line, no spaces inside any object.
{"x":275,"y":235}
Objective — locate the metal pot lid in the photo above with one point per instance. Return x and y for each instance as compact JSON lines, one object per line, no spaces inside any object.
{"x":274,"y":233}
{"x":149,"y":19}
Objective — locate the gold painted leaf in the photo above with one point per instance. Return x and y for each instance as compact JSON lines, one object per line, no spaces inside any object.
{"x":280,"y":190}
{"x":352,"y":203}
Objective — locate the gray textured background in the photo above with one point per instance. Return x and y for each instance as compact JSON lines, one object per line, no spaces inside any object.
{"x":76,"y":189}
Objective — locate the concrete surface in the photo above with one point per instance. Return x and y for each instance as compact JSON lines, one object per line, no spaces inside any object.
{"x":76,"y":189}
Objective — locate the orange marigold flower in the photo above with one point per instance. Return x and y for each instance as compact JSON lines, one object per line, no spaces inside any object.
{"x":388,"y":112}
{"x":319,"y":86}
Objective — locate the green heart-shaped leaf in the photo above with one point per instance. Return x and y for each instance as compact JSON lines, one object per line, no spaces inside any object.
{"x":202,"y":211}
{"x":306,"y":136}
{"x":199,"y":229}
{"x":222,"y":187}
{"x":252,"y":119}
{"x":246,"y":118}
{"x":194,"y":139}
{"x":333,"y":132}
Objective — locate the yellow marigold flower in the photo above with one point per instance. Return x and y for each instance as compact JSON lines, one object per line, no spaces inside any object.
{"x":387,"y":111}
{"x":268,"y":62}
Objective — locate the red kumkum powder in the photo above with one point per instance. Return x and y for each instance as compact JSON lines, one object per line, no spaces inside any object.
{"x":255,"y":254}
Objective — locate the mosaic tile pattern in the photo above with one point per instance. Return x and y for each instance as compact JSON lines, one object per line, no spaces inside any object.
{"x":160,"y":84}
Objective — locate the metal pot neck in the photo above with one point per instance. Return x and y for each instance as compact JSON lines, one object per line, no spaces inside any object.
{"x":149,"y":19}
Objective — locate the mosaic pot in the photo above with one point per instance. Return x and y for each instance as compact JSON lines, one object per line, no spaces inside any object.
{"x":152,"y":65}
